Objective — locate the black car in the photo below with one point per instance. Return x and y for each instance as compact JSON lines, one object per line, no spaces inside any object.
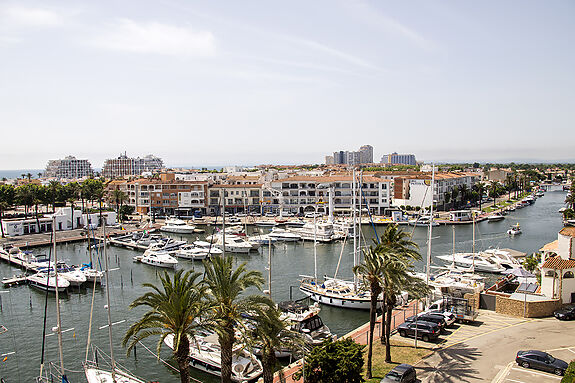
{"x":433,"y":318}
{"x":425,"y":330}
{"x":540,"y":360}
{"x":565,"y":313}
{"x":404,"y":373}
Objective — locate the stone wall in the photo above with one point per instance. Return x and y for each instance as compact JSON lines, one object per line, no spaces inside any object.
{"x":473,"y":300}
{"x":522,"y":309}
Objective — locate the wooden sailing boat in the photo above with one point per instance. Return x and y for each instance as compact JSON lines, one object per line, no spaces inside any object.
{"x":95,"y":373}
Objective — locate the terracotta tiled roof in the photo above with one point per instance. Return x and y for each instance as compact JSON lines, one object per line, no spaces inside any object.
{"x":559,"y":263}
{"x":568,"y":230}
{"x":227,"y":186}
{"x":334,"y":178}
{"x":551,"y":246}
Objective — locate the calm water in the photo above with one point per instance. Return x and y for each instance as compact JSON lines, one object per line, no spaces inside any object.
{"x":23,"y":308}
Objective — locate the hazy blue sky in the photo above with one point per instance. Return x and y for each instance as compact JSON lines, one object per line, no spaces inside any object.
{"x":251,"y":82}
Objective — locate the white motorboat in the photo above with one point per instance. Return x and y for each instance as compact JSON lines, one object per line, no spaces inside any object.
{"x":495,"y":217}
{"x":284,"y":235}
{"x":305,"y":320}
{"x":192,"y":252}
{"x":475,"y":260}
{"x":234,"y":243}
{"x":205,"y":355}
{"x":73,"y":275}
{"x":47,"y":281}
{"x":262,"y":239}
{"x":321,"y":231}
{"x":178,"y":226}
{"x":514,"y":230}
{"x":503,"y":257}
{"x":156,"y":257}
{"x":266,"y":224}
{"x":453,"y":282}
{"x":422,"y":221}
{"x":92,"y":274}
{"x":295,"y":223}
{"x":209,"y":247}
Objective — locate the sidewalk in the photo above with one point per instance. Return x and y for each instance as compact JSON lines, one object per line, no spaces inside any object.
{"x":360,"y":335}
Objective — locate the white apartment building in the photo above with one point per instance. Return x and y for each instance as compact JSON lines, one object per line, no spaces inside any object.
{"x":68,"y":168}
{"x":558,"y":268}
{"x":302,"y":194}
{"x":126,"y":166}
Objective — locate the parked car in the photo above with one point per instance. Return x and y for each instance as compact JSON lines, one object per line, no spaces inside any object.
{"x":404,"y":373}
{"x":432,"y":318}
{"x":540,"y":360}
{"x":448,"y":316}
{"x":565,"y":313}
{"x":425,"y":330}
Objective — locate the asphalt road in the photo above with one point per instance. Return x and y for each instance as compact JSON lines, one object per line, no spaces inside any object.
{"x":485,"y":352}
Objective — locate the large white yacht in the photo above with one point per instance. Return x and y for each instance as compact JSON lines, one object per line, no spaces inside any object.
{"x":306,"y":320}
{"x":178,"y":226}
{"x":47,"y":281}
{"x":336,"y":292}
{"x":156,"y":257}
{"x":475,"y":260}
{"x":205,"y":355}
{"x":320,"y":231}
{"x":284,"y":235}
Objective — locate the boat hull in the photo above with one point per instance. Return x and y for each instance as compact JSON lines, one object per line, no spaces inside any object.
{"x":359,"y":304}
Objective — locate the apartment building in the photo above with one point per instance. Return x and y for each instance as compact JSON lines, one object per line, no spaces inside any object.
{"x":68,"y":168}
{"x":239,"y":198}
{"x":399,"y":159}
{"x":126,"y":166}
{"x":302,"y":194}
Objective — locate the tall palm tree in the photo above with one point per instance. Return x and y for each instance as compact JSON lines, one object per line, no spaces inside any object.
{"x":119,"y":197}
{"x":398,"y":252}
{"x":175,"y":308}
{"x":225,"y":288}
{"x":371,"y":271}
{"x":272,"y":333}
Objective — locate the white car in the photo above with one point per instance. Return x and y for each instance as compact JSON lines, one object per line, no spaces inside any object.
{"x":449,"y":316}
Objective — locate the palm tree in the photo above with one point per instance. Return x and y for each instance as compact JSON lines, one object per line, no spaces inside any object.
{"x":398,"y":252}
{"x":225,"y":287}
{"x":119,"y":197}
{"x":272,"y":333}
{"x":176,"y":309}
{"x":570,"y":199}
{"x":371,"y":271}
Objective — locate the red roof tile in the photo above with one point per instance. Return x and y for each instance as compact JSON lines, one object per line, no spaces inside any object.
{"x":558,"y":263}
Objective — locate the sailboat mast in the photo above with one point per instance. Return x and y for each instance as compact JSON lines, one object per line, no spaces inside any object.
{"x":430,"y":225}
{"x":315,"y":244}
{"x":360,"y":192}
{"x":224,"y":224}
{"x":353,"y":201}
{"x":58,"y":321}
{"x":109,"y":308}
{"x":473,"y":215}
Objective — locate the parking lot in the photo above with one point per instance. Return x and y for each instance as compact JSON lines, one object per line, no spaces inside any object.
{"x":485,"y":351}
{"x":517,"y":374}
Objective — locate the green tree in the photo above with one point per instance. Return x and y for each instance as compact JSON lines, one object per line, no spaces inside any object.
{"x":531,"y":262}
{"x":225,"y":288}
{"x":454,"y":194}
{"x":338,"y":361}
{"x":272,"y":333}
{"x":398,"y":252}
{"x":371,"y":272}
{"x":29,"y":195}
{"x":570,"y":199}
{"x":176,"y":308}
{"x":569,"y":376}
{"x":119,"y":197}
{"x":7,"y":198}
{"x":71,"y":193}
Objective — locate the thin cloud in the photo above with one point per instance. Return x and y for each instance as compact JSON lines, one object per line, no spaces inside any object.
{"x":155,"y":38}
{"x":30,"y":17}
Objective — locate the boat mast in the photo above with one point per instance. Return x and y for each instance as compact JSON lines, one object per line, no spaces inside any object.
{"x":430,"y":225}
{"x":315,"y":244}
{"x":354,"y":219}
{"x":224,"y":224}
{"x":58,"y":321}
{"x":109,"y":308}
{"x":473,"y":217}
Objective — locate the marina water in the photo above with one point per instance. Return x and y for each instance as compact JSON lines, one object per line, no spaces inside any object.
{"x":23,"y":308}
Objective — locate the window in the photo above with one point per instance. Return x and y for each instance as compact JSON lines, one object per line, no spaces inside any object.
{"x":568,"y":274}
{"x":550,"y":273}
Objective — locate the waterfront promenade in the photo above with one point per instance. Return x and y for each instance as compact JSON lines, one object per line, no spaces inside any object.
{"x":360,"y":335}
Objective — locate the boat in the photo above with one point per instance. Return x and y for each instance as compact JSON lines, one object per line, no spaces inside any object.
{"x":234,"y":243}
{"x":503,"y":257}
{"x":194,"y":253}
{"x":209,"y":247}
{"x":320,"y":231}
{"x":266,"y":224}
{"x":205,"y":355}
{"x":92,"y":275}
{"x":75,"y":276}
{"x":475,"y":260}
{"x":178,"y":226}
{"x":284,"y":235}
{"x":495,"y":217}
{"x":48,"y":282}
{"x":453,"y":282}
{"x":305,"y":319}
{"x":422,"y":221}
{"x":158,"y":257}
{"x":295,"y":223}
{"x":262,"y":239}
{"x":514,"y":230}
{"x":94,"y":373}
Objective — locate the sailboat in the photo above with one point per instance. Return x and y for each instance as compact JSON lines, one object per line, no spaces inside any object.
{"x":94,"y":373}
{"x":333,"y":291}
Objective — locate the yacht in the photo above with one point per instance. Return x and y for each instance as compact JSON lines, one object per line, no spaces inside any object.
{"x":92,"y":274}
{"x":322,"y":231}
{"x":208,"y":247}
{"x":284,"y":235}
{"x":73,"y":275}
{"x":422,"y":221}
{"x":174,"y":225}
{"x":234,"y":243}
{"x":504,"y":258}
{"x":155,"y":256}
{"x":295,"y":223}
{"x":305,"y":320}
{"x":336,"y":292}
{"x":514,"y":230}
{"x":495,"y":217}
{"x":194,"y":252}
{"x":268,"y":224}
{"x":262,"y":239}
{"x":479,"y":263}
{"x":205,"y":355}
{"x":47,"y":282}
{"x":454,"y":282}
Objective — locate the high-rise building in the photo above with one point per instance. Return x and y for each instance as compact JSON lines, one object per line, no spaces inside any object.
{"x":399,"y":159}
{"x":69,"y":167}
{"x":126,"y":166}
{"x":363,"y":156}
{"x":366,"y":154}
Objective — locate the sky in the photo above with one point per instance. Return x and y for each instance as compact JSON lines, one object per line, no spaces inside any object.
{"x":286,"y":82}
